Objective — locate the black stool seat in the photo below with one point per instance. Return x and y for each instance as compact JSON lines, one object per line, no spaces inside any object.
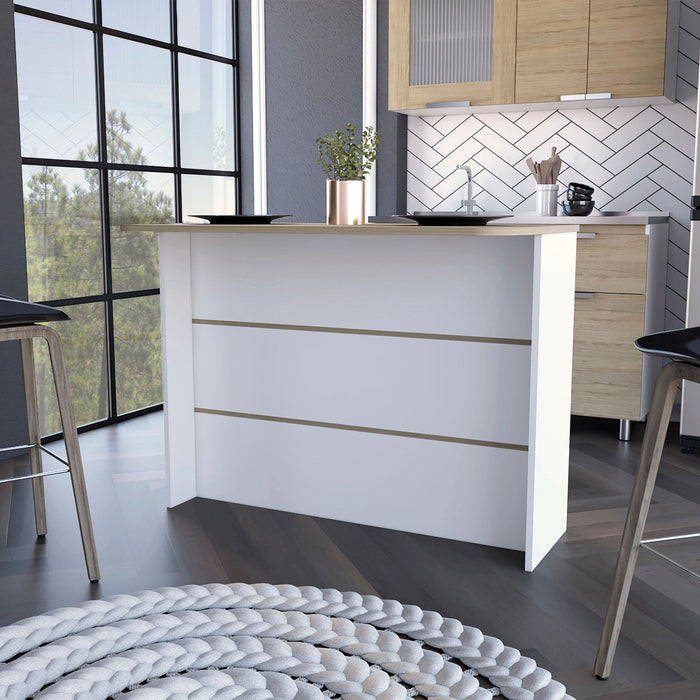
{"x":14,"y":312}
{"x":683,"y":345}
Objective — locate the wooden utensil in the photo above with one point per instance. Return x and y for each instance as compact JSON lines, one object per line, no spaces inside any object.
{"x":532,"y":167}
{"x":556,"y":164}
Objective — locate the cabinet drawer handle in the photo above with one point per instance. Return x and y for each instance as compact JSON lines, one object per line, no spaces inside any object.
{"x":585,"y":234}
{"x":584,"y":295}
{"x":456,"y":103}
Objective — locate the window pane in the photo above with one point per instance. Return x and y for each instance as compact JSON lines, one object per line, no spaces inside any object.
{"x":206,"y":25}
{"x":77,"y":9}
{"x":206,"y":114}
{"x":62,"y":232}
{"x":151,"y":19}
{"x":139,"y":104}
{"x":56,"y":96}
{"x":208,"y":195}
{"x":83,"y":339}
{"x":137,"y":198}
{"x":137,"y":353}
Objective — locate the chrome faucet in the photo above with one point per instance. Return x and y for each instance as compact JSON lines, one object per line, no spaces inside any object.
{"x":468,"y":202}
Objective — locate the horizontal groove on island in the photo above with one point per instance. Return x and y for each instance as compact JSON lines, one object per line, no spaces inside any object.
{"x":364,"y":331}
{"x":363,"y":429}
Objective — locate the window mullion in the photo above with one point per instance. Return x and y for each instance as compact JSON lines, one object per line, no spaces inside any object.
{"x":104,"y":212}
{"x":175,"y":76}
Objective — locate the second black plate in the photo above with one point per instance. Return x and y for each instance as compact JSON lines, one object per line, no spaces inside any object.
{"x":239,"y":218}
{"x":446,"y":218}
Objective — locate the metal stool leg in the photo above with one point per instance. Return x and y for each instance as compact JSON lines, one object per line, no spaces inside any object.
{"x":33,"y":433}
{"x":650,"y":457}
{"x":70,"y":435}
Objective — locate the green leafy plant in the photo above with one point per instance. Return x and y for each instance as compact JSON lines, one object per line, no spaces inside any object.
{"x":341,"y":158}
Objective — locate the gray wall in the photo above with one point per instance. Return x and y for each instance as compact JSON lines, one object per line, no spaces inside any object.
{"x":313,"y":86}
{"x":245,"y":108}
{"x":13,"y":276}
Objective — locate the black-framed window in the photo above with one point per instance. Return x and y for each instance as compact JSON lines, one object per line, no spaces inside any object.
{"x":128,"y":114}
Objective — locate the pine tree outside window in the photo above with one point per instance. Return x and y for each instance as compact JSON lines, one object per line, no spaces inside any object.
{"x":134,"y":115}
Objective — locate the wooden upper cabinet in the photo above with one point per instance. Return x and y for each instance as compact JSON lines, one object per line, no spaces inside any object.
{"x":627,"y":47}
{"x":552,"y":49}
{"x":590,"y":47}
{"x":451,"y":51}
{"x":500,"y":52}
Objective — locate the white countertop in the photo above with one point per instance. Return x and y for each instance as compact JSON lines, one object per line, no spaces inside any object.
{"x":632,"y":217}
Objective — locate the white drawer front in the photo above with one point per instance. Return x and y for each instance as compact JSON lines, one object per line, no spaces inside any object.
{"x":464,"y":492}
{"x":439,"y":284}
{"x":477,"y":391}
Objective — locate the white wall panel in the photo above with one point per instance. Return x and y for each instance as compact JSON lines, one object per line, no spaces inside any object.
{"x":452,"y":285}
{"x":459,"y":389}
{"x":435,"y":488}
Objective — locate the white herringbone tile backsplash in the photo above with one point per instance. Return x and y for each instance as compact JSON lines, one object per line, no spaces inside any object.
{"x":637,"y":158}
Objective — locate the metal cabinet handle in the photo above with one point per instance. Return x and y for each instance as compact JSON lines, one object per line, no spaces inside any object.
{"x":587,"y":96}
{"x":584,"y":295}
{"x":456,"y":103}
{"x":585,"y":234}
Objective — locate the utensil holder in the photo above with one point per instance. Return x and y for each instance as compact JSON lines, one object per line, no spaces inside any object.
{"x":547,"y":200}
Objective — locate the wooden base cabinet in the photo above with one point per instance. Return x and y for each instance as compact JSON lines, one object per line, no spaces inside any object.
{"x":607,"y":373}
{"x":620,"y":290}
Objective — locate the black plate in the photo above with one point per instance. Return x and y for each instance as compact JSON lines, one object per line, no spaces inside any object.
{"x":444,"y":218}
{"x":239,"y":218}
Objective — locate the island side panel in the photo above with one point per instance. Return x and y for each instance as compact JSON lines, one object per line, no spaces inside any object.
{"x":550,"y":394}
{"x":178,"y":376}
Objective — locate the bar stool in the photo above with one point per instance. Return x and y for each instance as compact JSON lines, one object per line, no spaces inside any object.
{"x":18,"y":321}
{"x":683,"y":347}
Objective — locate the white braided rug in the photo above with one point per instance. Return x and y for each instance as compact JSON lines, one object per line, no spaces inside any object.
{"x":259,"y":641}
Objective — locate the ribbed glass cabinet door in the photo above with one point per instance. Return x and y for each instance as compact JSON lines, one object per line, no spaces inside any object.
{"x":451,"y":51}
{"x":451,"y":41}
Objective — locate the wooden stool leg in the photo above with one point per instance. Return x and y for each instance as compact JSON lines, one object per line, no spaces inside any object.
{"x":33,"y":433}
{"x":70,"y":435}
{"x":652,"y":447}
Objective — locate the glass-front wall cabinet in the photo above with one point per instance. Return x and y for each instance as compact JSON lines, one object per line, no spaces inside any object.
{"x":446,"y":51}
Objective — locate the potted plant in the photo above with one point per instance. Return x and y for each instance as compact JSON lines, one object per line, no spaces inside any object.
{"x":345,"y":164}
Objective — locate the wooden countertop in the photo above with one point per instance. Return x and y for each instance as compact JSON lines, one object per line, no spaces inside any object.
{"x":407,"y":229}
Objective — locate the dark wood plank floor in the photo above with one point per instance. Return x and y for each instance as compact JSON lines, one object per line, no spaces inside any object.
{"x":553,"y":614}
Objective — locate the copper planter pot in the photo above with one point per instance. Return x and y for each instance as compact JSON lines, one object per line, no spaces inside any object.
{"x":345,"y":201}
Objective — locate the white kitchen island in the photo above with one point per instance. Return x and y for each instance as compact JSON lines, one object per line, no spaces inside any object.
{"x":407,"y":377}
